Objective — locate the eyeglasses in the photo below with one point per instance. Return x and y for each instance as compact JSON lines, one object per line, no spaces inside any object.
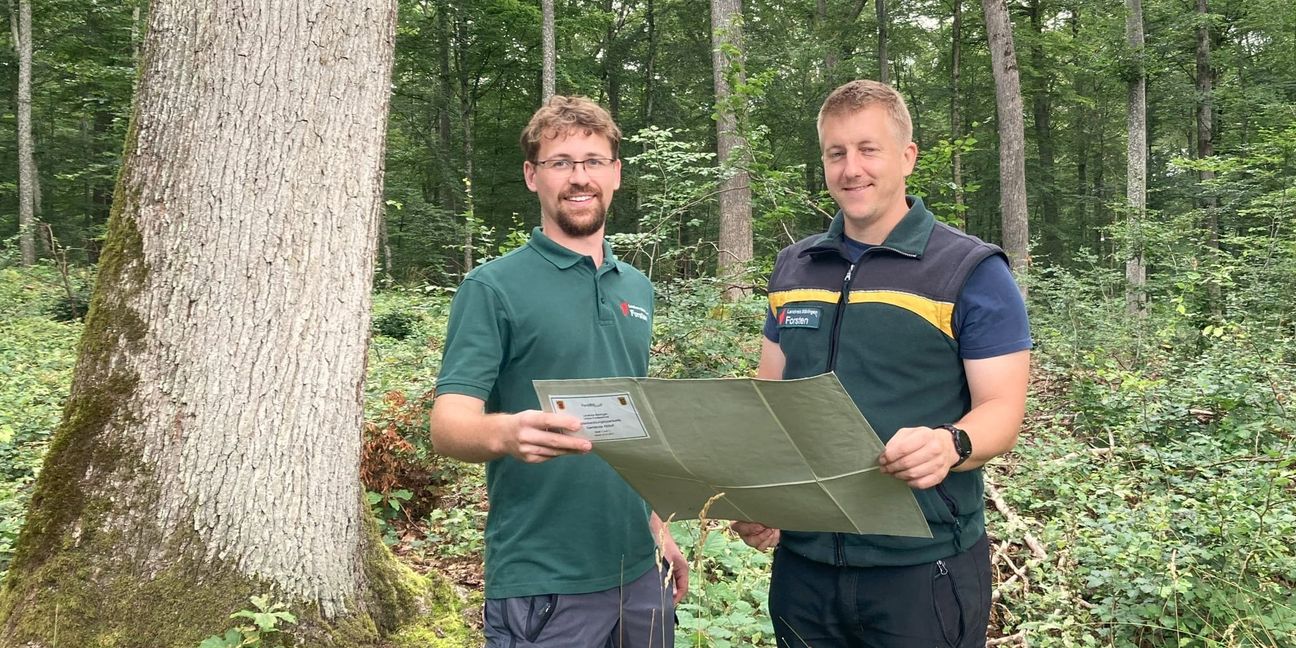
{"x":564,"y":165}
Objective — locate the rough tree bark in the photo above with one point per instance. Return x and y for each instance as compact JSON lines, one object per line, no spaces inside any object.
{"x":548,"y":50}
{"x":210,"y":444}
{"x":1012,"y":138}
{"x":1136,"y":172}
{"x":735,"y":193}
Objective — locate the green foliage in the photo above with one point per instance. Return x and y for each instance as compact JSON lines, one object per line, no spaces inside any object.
{"x":397,"y":325}
{"x":729,"y":587}
{"x":1160,"y":466}
{"x":36,"y":359}
{"x":260,"y":629}
{"x":696,"y":334}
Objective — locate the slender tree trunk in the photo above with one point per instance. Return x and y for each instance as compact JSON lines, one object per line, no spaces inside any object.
{"x":735,"y":193}
{"x":1042,"y":107}
{"x":210,"y":445}
{"x":612,"y":64}
{"x":1206,"y":121}
{"x":884,"y":63}
{"x":1012,"y":139}
{"x":136,"y":39}
{"x":1207,"y":198}
{"x":650,"y":64}
{"x":956,"y":107}
{"x":1080,"y":142}
{"x":549,"y":51}
{"x":826,"y":32}
{"x":449,"y":181}
{"x":1136,"y":172}
{"x":26,"y":159}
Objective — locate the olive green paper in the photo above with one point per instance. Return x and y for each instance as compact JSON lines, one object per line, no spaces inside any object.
{"x":791,"y":454}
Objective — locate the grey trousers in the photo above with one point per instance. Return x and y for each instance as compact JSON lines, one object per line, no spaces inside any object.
{"x":638,"y":614}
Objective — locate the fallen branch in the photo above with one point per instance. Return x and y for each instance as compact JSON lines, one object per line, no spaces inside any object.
{"x":1013,"y":519}
{"x":1018,"y":637}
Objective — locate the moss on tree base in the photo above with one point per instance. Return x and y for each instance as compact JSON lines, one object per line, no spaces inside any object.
{"x":72,"y":600}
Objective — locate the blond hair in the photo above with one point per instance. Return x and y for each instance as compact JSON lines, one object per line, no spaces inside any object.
{"x":857,"y":95}
{"x":564,"y":115}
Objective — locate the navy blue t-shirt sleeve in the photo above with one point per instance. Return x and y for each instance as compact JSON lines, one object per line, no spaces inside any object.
{"x":990,"y":316}
{"x":771,"y":326}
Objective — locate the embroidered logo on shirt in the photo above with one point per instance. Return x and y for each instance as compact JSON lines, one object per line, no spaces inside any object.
{"x":630,"y":310}
{"x":799,"y":317}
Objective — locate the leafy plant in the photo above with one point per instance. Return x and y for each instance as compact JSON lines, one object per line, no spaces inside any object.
{"x":261,"y":626}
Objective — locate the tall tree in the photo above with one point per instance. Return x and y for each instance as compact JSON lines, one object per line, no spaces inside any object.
{"x":1042,"y":109}
{"x":27,"y":191}
{"x":956,"y":107}
{"x":549,"y":51}
{"x":735,"y":192}
{"x":884,"y":61}
{"x":1136,"y":165}
{"x":1206,"y":120}
{"x":1012,"y":134}
{"x":210,"y":444}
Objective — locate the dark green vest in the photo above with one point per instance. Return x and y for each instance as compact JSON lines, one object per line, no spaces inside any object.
{"x":885,"y":325}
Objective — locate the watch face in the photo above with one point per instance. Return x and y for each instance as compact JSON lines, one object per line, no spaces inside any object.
{"x":963,"y":443}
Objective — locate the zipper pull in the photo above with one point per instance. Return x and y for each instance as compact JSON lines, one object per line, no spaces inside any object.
{"x":849,"y":271}
{"x":940,"y":568}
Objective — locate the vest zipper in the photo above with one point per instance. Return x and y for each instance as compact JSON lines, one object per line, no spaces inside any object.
{"x":837,"y":317}
{"x":954,"y":511}
{"x":838,"y":544}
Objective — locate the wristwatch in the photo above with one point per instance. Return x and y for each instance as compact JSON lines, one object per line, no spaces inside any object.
{"x":962,"y":443}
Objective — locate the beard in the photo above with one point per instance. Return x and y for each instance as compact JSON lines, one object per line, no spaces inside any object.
{"x":589,"y":222}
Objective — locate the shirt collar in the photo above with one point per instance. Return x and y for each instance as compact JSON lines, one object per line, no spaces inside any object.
{"x":563,"y":258}
{"x":908,"y":237}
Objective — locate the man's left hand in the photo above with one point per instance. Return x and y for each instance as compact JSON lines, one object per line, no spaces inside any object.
{"x":679,"y":567}
{"x":920,"y":456}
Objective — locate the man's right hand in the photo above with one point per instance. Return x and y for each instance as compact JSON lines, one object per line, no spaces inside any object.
{"x":756,"y":535}
{"x":534,"y":436}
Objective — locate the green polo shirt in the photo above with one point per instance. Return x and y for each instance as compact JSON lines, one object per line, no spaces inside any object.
{"x":569,"y":525}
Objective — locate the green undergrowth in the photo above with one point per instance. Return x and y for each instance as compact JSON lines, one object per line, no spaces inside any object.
{"x":1155,"y":468}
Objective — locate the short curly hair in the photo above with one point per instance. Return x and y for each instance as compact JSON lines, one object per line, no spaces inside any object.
{"x":564,"y":115}
{"x":857,"y":95}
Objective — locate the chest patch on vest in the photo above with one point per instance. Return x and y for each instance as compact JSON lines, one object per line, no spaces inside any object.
{"x":799,"y":317}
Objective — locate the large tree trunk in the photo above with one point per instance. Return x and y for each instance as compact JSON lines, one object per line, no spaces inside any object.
{"x":209,"y":448}
{"x":21,"y":28}
{"x":735,"y":192}
{"x":1012,"y":135}
{"x":548,"y":51}
{"x":1136,"y":171}
{"x":956,"y":107}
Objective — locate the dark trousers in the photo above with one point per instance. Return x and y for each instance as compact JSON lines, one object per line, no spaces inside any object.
{"x":942,"y":604}
{"x":637,"y":615}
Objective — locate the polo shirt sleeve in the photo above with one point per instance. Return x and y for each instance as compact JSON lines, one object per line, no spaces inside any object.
{"x":990,"y":316}
{"x":477,"y":338}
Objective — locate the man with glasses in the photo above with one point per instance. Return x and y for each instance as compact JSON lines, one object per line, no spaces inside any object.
{"x":573,"y":555}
